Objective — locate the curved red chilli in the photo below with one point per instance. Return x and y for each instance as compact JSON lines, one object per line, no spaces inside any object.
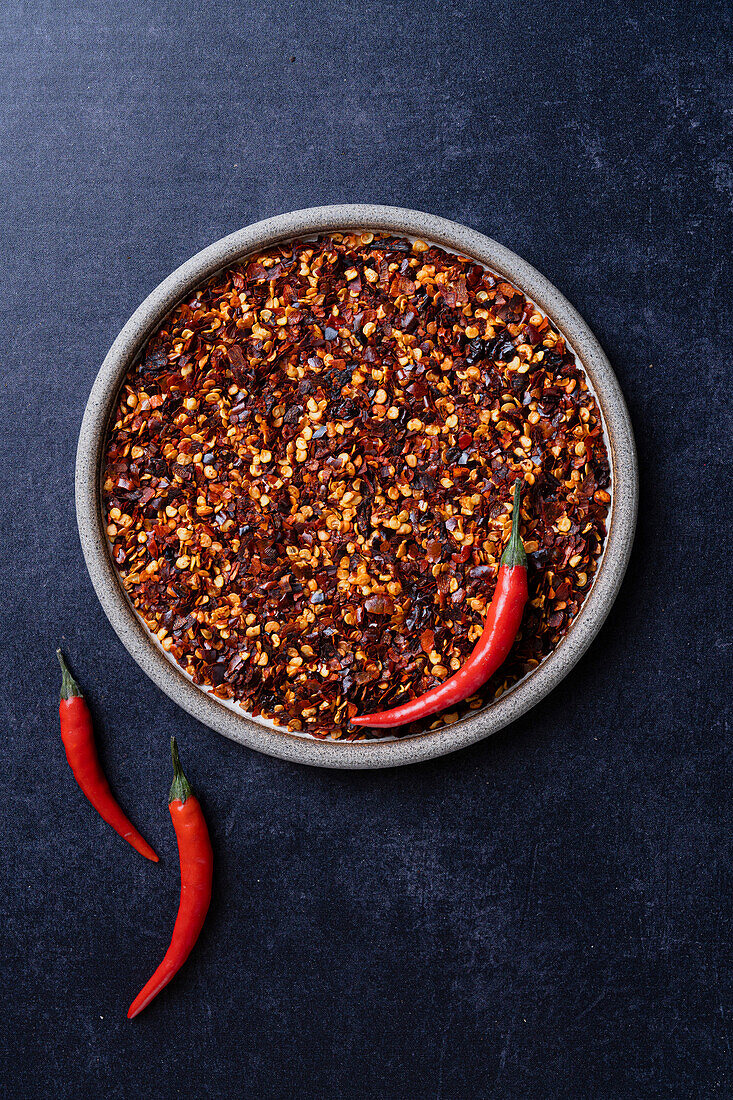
{"x":77,"y":735}
{"x":500,"y":630}
{"x":196,"y":860}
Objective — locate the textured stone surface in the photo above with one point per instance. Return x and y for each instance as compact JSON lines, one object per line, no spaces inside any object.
{"x":545,"y":914}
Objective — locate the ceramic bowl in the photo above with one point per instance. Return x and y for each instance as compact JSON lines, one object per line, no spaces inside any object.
{"x":225,"y":717}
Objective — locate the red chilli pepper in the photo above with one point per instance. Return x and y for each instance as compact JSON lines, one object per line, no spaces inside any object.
{"x":81,"y":752}
{"x":197,"y":862}
{"x":491,"y":650}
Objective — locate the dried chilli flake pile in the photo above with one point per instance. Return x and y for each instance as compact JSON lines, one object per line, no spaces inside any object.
{"x":308,"y":480}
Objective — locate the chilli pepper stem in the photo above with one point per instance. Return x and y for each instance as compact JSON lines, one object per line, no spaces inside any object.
{"x":180,"y":787}
{"x":69,"y":686}
{"x":515,"y":553}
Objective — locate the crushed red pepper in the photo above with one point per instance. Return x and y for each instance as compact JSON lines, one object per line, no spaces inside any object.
{"x":308,"y":481}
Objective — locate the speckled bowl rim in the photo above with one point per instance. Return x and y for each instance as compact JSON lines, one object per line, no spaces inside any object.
{"x":134,"y":636}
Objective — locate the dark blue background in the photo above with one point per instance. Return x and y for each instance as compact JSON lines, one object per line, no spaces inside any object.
{"x":547,"y":914}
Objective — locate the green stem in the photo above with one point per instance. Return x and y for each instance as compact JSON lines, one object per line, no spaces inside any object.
{"x":69,"y":686}
{"x":514,"y":553}
{"x":180,"y":789}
